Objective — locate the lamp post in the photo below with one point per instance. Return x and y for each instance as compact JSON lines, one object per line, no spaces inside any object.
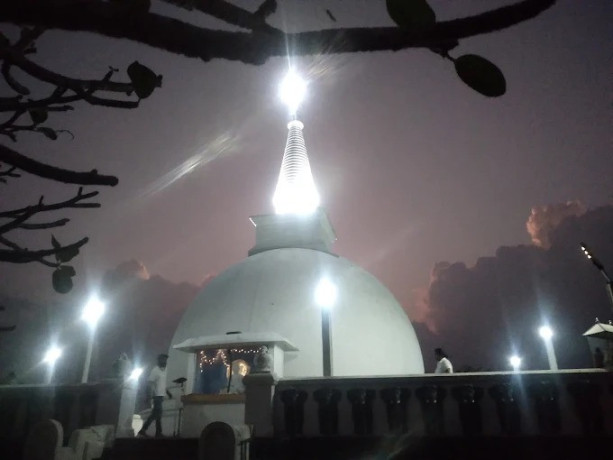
{"x":515,"y":362}
{"x":603,"y":272}
{"x":325,"y":296}
{"x":50,"y":358}
{"x":92,"y":312}
{"x":546,"y":334}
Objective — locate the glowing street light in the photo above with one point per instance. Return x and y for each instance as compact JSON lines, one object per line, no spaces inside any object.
{"x":326,"y":293}
{"x":515,"y":362}
{"x":546,"y":334}
{"x":93,"y":311}
{"x":292,"y":91}
{"x":51,"y":356}
{"x":136,"y":373}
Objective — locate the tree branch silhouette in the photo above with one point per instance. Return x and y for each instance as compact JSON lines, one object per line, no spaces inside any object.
{"x":117,"y":20}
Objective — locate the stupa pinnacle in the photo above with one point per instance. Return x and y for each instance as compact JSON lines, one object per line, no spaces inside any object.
{"x":295,"y":192}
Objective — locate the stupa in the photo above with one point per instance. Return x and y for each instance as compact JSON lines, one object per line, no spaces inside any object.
{"x":277,"y":293}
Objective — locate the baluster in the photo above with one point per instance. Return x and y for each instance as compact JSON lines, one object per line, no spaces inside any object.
{"x":396,"y":408}
{"x":361,"y":410}
{"x":545,"y":396}
{"x":586,"y":396}
{"x":506,"y":396}
{"x":469,"y":407}
{"x":293,"y":410}
{"x":431,"y":399}
{"x":327,"y":399}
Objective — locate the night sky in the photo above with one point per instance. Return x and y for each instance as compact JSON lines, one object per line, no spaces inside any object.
{"x":414,"y":168}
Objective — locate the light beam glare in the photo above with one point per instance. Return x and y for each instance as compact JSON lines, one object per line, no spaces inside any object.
{"x":219,"y":147}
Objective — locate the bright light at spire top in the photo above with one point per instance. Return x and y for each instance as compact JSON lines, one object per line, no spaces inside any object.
{"x":292,"y":91}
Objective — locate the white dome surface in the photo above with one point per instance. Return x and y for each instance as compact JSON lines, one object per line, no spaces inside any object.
{"x":274,"y":291}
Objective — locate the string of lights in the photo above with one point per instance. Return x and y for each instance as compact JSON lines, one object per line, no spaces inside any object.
{"x":222,"y":356}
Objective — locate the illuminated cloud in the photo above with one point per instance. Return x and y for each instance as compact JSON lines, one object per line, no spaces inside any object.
{"x":545,"y":219}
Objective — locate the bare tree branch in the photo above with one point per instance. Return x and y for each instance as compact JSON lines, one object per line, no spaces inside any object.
{"x":26,"y":256}
{"x":43,"y":225}
{"x":231,"y":14}
{"x":110,"y":19}
{"x":74,"y":202}
{"x":13,"y":158}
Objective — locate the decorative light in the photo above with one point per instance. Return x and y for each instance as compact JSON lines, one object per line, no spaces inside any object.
{"x":546,"y":332}
{"x":221,"y":356}
{"x":52,"y":355}
{"x":93,"y":311}
{"x":292,"y":91}
{"x":326,"y":293}
{"x":515,"y":362}
{"x":136,"y":373}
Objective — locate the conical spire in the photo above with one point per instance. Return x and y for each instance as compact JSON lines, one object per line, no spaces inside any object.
{"x":295,"y":192}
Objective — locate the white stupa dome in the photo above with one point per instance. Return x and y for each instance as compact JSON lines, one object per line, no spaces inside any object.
{"x":274,"y":291}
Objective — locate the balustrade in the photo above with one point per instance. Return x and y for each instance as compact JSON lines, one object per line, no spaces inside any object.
{"x":484,"y":404}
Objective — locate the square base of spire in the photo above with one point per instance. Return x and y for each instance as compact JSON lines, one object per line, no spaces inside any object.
{"x":275,"y":231}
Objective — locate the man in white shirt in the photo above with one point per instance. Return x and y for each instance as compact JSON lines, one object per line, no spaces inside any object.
{"x":156,"y":389}
{"x":443,"y":365}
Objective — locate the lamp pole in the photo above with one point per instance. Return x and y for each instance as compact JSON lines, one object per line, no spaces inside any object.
{"x":325,"y":296}
{"x":91,"y":314}
{"x":326,"y":341}
{"x":546,"y":333}
{"x":51,"y":356}
{"x":608,"y":283}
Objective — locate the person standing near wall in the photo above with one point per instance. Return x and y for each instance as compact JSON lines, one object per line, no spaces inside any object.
{"x":443,"y":365}
{"x":156,"y":389}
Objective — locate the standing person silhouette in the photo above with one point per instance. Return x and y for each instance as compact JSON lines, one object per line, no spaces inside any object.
{"x":156,"y":388}
{"x":443,"y":365}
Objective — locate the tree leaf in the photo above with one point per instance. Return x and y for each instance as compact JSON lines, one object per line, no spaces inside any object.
{"x":67,"y":254}
{"x":481,"y":75}
{"x":411,"y":14}
{"x":62,"y":279}
{"x":38,"y":115}
{"x":143,"y":79}
{"x":55,"y":243}
{"x":48,"y":132}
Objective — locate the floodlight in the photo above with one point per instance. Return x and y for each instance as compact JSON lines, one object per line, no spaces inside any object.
{"x":136,"y":373}
{"x":92,"y":312}
{"x":545,"y":332}
{"x":515,"y":362}
{"x":292,"y":91}
{"x":326,"y":293}
{"x":52,"y":355}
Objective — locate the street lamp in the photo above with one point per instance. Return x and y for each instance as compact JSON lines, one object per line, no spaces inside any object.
{"x":546,"y":334}
{"x":136,"y":373}
{"x":51,"y":356}
{"x":93,"y":311}
{"x":600,"y":267}
{"x":515,"y":362}
{"x":326,"y":293}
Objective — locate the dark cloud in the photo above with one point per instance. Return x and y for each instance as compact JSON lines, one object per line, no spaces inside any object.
{"x":142,"y":314}
{"x":483,"y":313}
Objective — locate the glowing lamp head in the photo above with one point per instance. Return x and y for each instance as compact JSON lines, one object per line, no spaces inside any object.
{"x":326,"y":293}
{"x":52,"y":355}
{"x":292,"y":91}
{"x":92,"y":312}
{"x":545,"y":332}
{"x":136,"y":373}
{"x":515,"y":362}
